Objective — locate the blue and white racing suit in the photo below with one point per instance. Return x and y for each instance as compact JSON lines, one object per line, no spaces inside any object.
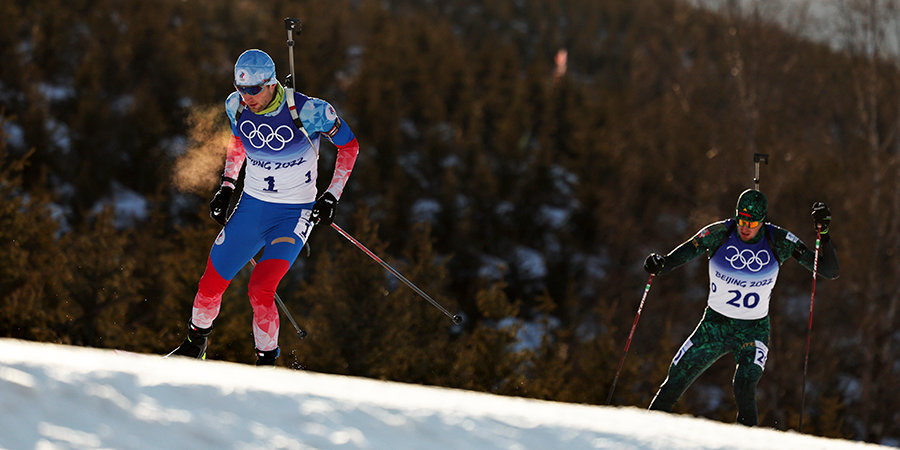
{"x":274,"y":209}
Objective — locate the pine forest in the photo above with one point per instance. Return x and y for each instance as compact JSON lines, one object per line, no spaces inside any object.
{"x":518,"y":161}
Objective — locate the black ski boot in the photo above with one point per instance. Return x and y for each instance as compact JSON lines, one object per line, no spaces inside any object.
{"x":267,"y":358}
{"x":194,"y":346}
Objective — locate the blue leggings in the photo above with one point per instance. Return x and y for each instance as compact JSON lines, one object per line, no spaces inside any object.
{"x":281,"y":228}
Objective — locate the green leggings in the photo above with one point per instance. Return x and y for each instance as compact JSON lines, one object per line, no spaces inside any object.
{"x":715,"y":336}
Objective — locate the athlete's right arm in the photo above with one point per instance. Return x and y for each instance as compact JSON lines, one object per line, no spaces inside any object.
{"x":235,"y":153}
{"x":708,"y":238}
{"x":234,"y":160}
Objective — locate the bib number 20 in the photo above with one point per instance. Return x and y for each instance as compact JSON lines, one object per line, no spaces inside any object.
{"x":750,"y":300}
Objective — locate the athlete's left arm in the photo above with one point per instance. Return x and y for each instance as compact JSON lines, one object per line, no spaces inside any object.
{"x":319,"y":116}
{"x":348,"y":149}
{"x":785,"y":244}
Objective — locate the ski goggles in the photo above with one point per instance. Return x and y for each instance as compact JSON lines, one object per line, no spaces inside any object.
{"x":748,"y":223}
{"x":250,"y":90}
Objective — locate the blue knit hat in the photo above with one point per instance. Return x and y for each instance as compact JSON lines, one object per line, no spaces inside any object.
{"x":254,"y":67}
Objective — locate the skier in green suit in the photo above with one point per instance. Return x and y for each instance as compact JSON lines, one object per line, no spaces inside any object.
{"x":745,"y":254}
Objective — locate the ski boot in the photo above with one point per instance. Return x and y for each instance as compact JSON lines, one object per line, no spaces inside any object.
{"x":267,"y":358}
{"x":194,"y":346}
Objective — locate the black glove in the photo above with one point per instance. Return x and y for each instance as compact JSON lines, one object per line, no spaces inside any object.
{"x":654,"y":263}
{"x":821,"y":216}
{"x":218,"y":206}
{"x":323,"y":210}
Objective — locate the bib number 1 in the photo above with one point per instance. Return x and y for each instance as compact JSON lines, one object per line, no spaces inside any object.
{"x":303,"y":225}
{"x":270,"y":184}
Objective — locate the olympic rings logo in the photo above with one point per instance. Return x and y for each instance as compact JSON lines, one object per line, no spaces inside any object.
{"x":264,"y":135}
{"x":754,"y":262}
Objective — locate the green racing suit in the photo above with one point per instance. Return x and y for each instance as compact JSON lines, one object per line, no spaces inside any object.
{"x":742,"y":275}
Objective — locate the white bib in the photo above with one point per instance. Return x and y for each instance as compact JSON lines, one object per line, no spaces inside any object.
{"x":741,"y":278}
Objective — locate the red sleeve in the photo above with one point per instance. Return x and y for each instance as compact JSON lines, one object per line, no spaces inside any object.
{"x":234,"y":159}
{"x":343,"y":165}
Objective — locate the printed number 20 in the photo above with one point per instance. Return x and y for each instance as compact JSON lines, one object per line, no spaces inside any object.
{"x":750,"y":300}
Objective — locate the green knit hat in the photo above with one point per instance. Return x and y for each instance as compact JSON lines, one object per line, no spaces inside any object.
{"x":751,"y":205}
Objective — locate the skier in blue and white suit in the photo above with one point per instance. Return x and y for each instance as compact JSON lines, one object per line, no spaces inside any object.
{"x":278,"y":207}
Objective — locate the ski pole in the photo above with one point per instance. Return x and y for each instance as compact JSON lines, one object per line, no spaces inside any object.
{"x":628,"y":342}
{"x":454,"y":317}
{"x":812,"y":301}
{"x":757,"y":157}
{"x":300,"y":332}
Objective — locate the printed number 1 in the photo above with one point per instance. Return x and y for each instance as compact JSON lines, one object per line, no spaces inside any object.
{"x":302,"y":222}
{"x":750,"y":300}
{"x":271,"y":186}
{"x":303,"y":234}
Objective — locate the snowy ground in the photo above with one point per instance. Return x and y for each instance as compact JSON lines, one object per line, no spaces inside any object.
{"x":55,"y":396}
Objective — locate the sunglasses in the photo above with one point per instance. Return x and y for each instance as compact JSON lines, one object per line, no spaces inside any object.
{"x":748,"y":223}
{"x":250,"y":90}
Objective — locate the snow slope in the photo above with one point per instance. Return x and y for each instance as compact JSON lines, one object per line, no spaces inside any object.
{"x":54,"y":396}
